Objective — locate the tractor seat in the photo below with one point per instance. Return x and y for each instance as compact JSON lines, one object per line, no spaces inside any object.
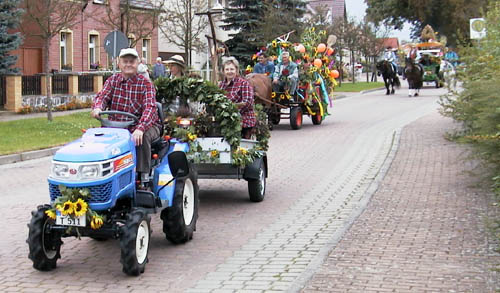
{"x":159,"y":145}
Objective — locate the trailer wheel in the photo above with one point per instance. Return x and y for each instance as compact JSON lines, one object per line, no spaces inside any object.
{"x":296,"y":118}
{"x":257,"y":187}
{"x":44,"y":247}
{"x":317,"y":119}
{"x":134,"y":242}
{"x":179,"y":220}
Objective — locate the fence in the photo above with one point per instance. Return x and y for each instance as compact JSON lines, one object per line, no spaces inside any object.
{"x":85,"y":83}
{"x":60,"y":84}
{"x":105,"y":77}
{"x":3,"y":90}
{"x":31,"y":85}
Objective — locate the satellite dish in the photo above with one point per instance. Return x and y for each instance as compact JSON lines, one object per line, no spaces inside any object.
{"x":332,"y":39}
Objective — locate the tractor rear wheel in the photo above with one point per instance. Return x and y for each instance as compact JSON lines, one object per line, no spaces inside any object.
{"x":44,"y":246}
{"x":134,"y":242}
{"x":179,"y":220}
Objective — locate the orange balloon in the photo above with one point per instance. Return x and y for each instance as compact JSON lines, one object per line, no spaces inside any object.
{"x":334,"y":73}
{"x":330,"y":51}
{"x":301,"y":48}
{"x":321,"y":48}
{"x":318,"y":63}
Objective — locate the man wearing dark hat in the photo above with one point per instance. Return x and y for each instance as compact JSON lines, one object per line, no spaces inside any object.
{"x":128,"y":91}
{"x":176,"y":66}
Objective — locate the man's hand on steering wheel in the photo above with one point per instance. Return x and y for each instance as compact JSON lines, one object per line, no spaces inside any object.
{"x":137,"y":137}
{"x":95,"y":112}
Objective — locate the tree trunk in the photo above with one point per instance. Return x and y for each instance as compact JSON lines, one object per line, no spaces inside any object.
{"x":47,"y":79}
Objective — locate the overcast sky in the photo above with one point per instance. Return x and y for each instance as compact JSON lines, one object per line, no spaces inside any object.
{"x":356,"y":8}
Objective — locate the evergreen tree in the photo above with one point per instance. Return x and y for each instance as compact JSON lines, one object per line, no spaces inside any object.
{"x":9,"y":19}
{"x":251,"y":19}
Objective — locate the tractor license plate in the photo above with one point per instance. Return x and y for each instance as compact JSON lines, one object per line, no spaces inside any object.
{"x":69,"y":221}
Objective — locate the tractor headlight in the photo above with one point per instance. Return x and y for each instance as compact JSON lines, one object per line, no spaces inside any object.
{"x":60,"y":170}
{"x":89,"y":171}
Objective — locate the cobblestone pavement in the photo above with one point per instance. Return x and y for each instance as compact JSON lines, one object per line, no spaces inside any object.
{"x":423,"y":230}
{"x":320,"y":180}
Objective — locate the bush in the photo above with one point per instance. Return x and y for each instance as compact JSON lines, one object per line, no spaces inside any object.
{"x":478,"y":105}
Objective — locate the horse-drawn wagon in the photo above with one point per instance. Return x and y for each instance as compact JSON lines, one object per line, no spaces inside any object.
{"x":311,"y":94}
{"x":429,"y":55}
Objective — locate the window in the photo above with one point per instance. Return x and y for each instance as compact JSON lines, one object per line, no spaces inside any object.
{"x":66,"y":50}
{"x":146,"y":46}
{"x":94,"y":51}
{"x":64,"y":55}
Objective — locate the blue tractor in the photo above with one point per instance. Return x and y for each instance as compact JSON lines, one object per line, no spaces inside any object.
{"x":102,"y":163}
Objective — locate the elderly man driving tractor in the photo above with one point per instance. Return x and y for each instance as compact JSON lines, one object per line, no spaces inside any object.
{"x":131,"y":92}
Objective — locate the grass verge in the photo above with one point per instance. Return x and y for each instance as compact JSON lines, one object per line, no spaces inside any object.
{"x":358,"y":86}
{"x":38,"y":133}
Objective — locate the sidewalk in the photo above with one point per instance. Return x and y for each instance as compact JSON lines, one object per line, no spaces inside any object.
{"x":423,"y":230}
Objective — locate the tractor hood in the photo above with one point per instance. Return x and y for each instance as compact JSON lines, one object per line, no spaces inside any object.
{"x":96,"y":144}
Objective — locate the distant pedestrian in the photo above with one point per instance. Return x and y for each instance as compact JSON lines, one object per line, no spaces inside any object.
{"x":142,"y":69}
{"x":158,"y":69}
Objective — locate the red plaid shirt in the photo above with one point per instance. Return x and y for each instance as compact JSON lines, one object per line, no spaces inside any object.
{"x":135,"y":95}
{"x":239,"y":91}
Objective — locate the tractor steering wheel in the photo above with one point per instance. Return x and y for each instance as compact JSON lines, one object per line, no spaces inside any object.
{"x":105,"y":122}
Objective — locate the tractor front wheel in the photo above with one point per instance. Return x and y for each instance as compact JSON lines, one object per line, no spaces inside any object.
{"x":179,"y":220}
{"x":134,"y":242}
{"x":44,"y":246}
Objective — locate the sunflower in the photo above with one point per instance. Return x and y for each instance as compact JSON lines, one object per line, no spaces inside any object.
{"x":273,"y":95}
{"x":67,"y":208}
{"x":51,"y":214}
{"x":96,"y":222}
{"x":274,"y":43}
{"x":80,"y":207}
{"x":214,"y":153}
{"x":191,"y":136}
{"x":243,"y":151}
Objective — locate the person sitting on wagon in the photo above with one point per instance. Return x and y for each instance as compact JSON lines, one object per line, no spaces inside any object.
{"x":264,"y":66}
{"x":240,"y":92}
{"x":129,"y":91}
{"x":286,"y":75}
{"x":425,"y":60}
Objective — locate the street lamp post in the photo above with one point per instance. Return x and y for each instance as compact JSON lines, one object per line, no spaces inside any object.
{"x":216,"y":9}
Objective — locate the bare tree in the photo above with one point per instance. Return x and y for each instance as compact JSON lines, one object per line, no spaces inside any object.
{"x":370,"y":43}
{"x":45,"y":19}
{"x":347,"y":33}
{"x":182,"y":27}
{"x":132,"y":18}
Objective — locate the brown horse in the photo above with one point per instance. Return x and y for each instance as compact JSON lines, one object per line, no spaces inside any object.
{"x":415,"y":75}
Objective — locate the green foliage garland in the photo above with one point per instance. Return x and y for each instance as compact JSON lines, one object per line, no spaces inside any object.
{"x":221,"y":115}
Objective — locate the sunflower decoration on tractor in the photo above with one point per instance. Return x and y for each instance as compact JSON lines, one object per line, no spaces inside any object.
{"x":313,"y":59}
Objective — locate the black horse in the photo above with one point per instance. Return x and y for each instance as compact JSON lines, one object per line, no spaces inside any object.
{"x":389,"y":74}
{"x":415,"y":75}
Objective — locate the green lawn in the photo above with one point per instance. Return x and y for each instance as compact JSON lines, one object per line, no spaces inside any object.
{"x":358,"y":86}
{"x":38,"y":133}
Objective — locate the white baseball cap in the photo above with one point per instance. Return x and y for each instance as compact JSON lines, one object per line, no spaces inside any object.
{"x":129,"y":51}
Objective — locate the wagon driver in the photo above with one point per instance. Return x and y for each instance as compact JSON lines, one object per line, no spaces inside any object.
{"x":128,"y":91}
{"x":239,"y":91}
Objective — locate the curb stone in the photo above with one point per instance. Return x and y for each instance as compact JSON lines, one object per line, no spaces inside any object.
{"x":9,"y":159}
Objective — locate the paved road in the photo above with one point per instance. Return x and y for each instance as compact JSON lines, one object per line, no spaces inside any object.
{"x":320,"y":178}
